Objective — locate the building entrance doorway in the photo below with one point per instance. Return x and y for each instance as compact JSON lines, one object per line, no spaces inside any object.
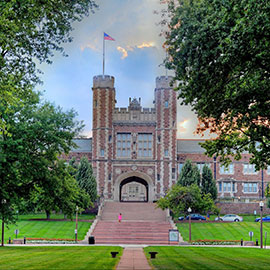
{"x":133,"y":189}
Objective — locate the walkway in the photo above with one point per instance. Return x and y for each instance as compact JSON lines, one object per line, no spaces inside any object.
{"x":133,"y":259}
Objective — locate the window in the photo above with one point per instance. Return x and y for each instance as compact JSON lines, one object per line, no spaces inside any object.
{"x":110,"y":138}
{"x":102,"y":152}
{"x":158,"y":177}
{"x":110,"y":176}
{"x":250,"y":187}
{"x":226,"y":187}
{"x":123,"y":144}
{"x":220,"y":187}
{"x":158,"y":138}
{"x":226,"y":170}
{"x":173,"y":173}
{"x":200,"y":166}
{"x":268,"y":170}
{"x":166,"y":104}
{"x":249,"y":169}
{"x":145,"y":145}
{"x":180,"y":166}
{"x":166,"y":152}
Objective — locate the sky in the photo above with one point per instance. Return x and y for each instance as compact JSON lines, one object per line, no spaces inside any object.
{"x":135,"y":60}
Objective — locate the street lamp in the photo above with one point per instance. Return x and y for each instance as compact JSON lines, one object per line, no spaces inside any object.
{"x":3,"y":222}
{"x":76,"y":230}
{"x":261,"y":206}
{"x":189,"y":211}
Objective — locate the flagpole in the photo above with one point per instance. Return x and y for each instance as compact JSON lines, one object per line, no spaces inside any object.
{"x":103,"y":54}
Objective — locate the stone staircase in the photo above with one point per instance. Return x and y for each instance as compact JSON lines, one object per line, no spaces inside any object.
{"x":141,"y":223}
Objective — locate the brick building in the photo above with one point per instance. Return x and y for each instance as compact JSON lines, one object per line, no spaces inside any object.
{"x":136,"y":155}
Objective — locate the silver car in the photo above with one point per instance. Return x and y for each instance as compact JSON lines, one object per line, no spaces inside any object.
{"x":231,"y":217}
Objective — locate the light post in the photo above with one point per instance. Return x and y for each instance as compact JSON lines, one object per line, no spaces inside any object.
{"x":261,"y":206}
{"x":3,"y":222}
{"x":189,"y":211}
{"x":76,"y":230}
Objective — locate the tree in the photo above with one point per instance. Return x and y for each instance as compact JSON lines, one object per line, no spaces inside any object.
{"x":189,"y":174}
{"x":180,"y":198}
{"x":31,"y":31}
{"x":219,"y":50}
{"x":38,"y":133}
{"x":86,"y":179}
{"x":208,"y":183}
{"x":59,"y":191}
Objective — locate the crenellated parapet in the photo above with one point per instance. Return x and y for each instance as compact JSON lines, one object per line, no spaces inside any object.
{"x":105,"y":81}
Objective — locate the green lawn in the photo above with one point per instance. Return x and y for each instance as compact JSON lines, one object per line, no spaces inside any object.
{"x":209,"y":258}
{"x":47,"y":229}
{"x":224,"y":231}
{"x":58,"y":257}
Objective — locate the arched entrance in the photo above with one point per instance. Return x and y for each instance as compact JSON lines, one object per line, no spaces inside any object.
{"x":133,"y":189}
{"x":140,"y":178}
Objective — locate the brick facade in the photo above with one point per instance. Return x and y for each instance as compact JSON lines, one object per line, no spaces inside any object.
{"x":150,"y":153}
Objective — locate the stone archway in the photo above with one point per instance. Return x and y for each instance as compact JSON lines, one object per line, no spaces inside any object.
{"x":137,"y":177}
{"x":133,"y":189}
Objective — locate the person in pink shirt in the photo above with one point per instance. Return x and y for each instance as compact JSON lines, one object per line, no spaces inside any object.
{"x":120,"y":217}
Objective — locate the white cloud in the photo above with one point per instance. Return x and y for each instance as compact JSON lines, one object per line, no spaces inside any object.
{"x":123,"y":51}
{"x":143,"y":45}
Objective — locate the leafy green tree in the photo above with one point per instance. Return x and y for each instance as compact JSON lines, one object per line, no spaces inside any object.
{"x":73,"y":167}
{"x":180,"y":198}
{"x":189,"y":174}
{"x":31,"y":31}
{"x":219,"y":51}
{"x":208,"y":183}
{"x":86,"y":179}
{"x":38,"y":133}
{"x":60,"y":191}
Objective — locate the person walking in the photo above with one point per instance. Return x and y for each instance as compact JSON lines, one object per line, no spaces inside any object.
{"x":119,"y":217}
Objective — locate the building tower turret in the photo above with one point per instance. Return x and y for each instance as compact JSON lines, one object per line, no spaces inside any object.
{"x":102,"y":149}
{"x":166,"y":131}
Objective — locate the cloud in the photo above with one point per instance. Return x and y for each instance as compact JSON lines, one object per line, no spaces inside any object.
{"x":128,"y":48}
{"x":123,"y":51}
{"x":183,"y":126}
{"x":87,"y":133}
{"x":146,"y":45}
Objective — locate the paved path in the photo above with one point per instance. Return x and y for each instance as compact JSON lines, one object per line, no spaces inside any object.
{"x":133,"y":258}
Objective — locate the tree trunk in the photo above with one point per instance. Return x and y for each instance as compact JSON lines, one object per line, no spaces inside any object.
{"x":3,"y":227}
{"x":48,"y":214}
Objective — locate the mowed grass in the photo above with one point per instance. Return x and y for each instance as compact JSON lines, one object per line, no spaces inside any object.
{"x":47,"y":229}
{"x":224,"y":231}
{"x":58,"y":257}
{"x":209,"y":258}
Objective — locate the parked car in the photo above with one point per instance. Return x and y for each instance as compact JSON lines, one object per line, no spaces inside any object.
{"x":230,"y":217}
{"x":193,"y":217}
{"x":264,"y":219}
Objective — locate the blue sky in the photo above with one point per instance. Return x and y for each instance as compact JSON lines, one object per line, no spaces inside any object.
{"x":134,"y":60}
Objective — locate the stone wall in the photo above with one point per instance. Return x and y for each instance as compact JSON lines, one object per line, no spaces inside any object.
{"x":241,"y":208}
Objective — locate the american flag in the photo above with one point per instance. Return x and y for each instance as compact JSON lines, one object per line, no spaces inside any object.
{"x":107,"y":37}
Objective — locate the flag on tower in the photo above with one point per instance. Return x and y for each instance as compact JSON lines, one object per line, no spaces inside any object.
{"x":107,"y":37}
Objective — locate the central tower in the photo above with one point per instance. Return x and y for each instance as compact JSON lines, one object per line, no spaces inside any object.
{"x":134,"y":148}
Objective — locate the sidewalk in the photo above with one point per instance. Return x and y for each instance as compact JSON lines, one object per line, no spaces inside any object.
{"x":133,"y":259}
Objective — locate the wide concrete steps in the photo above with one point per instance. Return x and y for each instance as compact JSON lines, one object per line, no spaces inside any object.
{"x":142,"y":223}
{"x":132,"y":211}
{"x":128,"y":232}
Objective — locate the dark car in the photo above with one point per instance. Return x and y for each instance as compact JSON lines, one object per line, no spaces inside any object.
{"x":193,"y":217}
{"x":196,"y":217}
{"x":264,"y":219}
